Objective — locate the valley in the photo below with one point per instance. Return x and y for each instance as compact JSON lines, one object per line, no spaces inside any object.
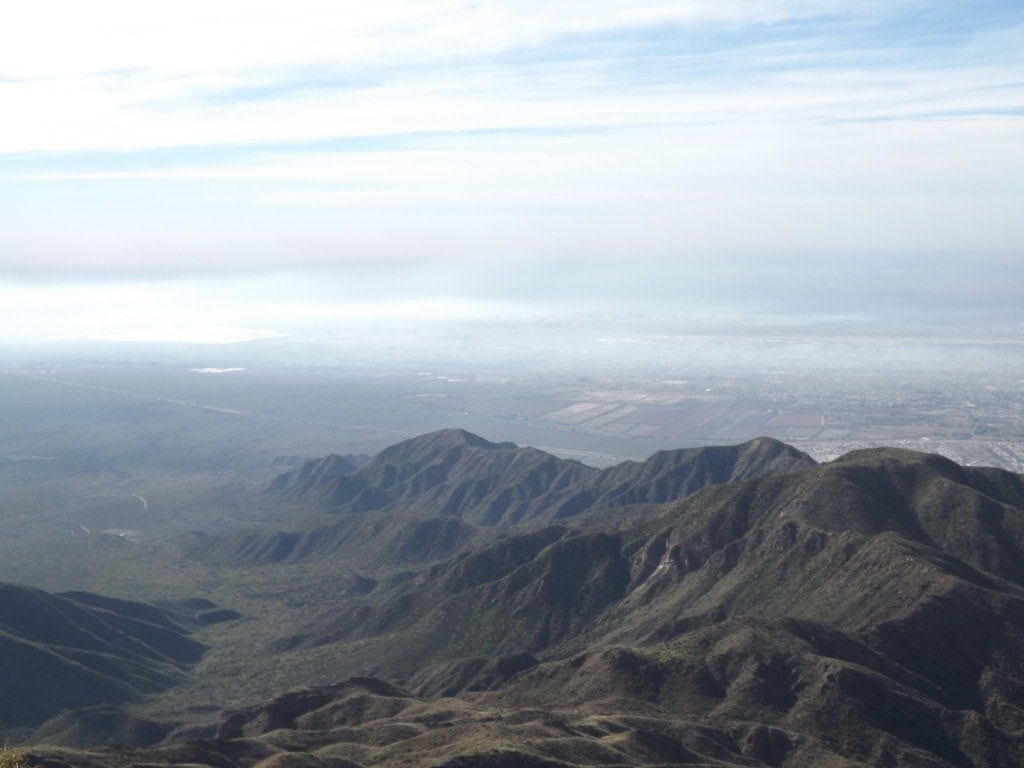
{"x":706,"y":605}
{"x":344,"y":593}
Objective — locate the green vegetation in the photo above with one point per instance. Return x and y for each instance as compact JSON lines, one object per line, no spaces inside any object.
{"x":78,"y":650}
{"x":773,"y":613}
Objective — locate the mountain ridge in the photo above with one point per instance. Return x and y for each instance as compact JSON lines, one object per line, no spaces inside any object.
{"x":74,"y":650}
{"x":476,"y":484}
{"x":502,"y":483}
{"x":858,"y":571}
{"x":867,"y":611}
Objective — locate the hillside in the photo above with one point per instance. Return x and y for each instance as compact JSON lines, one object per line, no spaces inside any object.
{"x":61,"y":652}
{"x":453,"y":473}
{"x":426,"y":498}
{"x":367,"y":722}
{"x":771,"y":612}
{"x":842,"y":589}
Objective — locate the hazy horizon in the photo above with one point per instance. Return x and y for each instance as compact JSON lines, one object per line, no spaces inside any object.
{"x":316,"y":165}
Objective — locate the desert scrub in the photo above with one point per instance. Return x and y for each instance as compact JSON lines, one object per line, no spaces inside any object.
{"x":11,"y":758}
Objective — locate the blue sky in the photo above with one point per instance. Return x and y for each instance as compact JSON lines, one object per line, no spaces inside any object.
{"x":156,"y":141}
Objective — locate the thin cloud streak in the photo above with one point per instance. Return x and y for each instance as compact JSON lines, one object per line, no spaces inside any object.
{"x":52,"y":38}
{"x":192,"y":138}
{"x":425,"y":106}
{"x":397,"y":69}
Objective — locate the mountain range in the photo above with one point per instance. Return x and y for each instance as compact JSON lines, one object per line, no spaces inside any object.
{"x":732,"y":606}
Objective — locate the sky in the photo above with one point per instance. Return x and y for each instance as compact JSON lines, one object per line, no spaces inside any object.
{"x":215,"y":163}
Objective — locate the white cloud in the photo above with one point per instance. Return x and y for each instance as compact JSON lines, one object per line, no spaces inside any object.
{"x":86,"y":114}
{"x":124,"y":76}
{"x":476,"y":128}
{"x":49,"y":38}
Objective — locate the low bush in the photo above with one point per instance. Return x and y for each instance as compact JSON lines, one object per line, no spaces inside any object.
{"x":11,"y":758}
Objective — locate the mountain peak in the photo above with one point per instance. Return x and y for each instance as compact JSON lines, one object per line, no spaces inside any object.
{"x":450,"y":437}
{"x":900,"y":456}
{"x":763,"y":441}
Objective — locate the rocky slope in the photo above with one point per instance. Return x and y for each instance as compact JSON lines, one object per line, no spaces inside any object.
{"x":882,"y":592}
{"x":864,"y":612}
{"x":453,"y":473}
{"x":426,"y":498}
{"x":59,"y":652}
